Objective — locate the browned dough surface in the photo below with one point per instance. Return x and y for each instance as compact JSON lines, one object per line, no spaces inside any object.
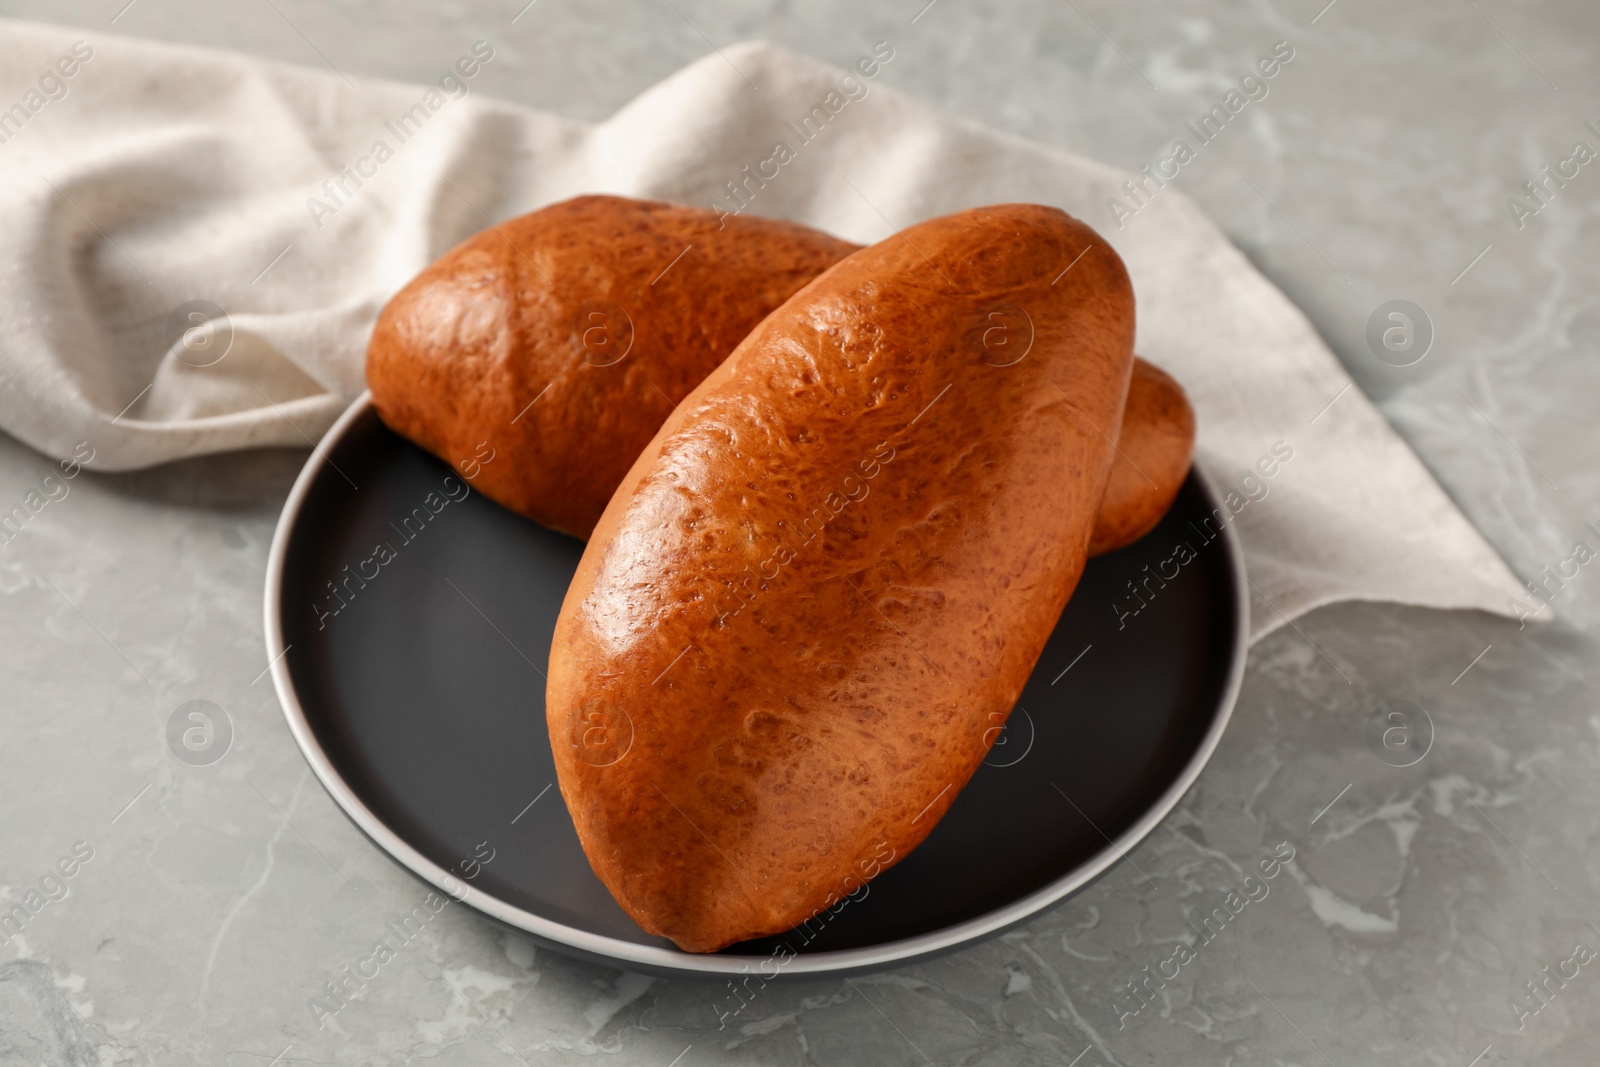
{"x":454,"y":358}
{"x":819,"y":591}
{"x":558,"y":342}
{"x":1152,"y":460}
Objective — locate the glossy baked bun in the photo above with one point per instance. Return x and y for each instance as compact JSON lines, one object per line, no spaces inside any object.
{"x":557,"y":342}
{"x":817,"y":594}
{"x":1153,"y":456}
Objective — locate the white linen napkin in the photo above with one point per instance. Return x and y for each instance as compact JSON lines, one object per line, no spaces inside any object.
{"x":146,"y":187}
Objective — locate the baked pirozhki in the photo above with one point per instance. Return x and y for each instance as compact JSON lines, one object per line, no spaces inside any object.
{"x":818,"y":592}
{"x":540,"y":356}
{"x":1153,"y":456}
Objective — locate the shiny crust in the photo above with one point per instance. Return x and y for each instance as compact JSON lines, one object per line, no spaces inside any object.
{"x":748,"y":722}
{"x":495,"y":349}
{"x":1153,"y":457}
{"x":453,"y":367}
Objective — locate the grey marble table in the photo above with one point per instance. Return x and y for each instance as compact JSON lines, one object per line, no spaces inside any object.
{"x":1442,"y":913}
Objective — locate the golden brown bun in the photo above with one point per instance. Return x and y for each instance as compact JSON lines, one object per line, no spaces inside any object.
{"x":1152,"y":460}
{"x":747,"y":721}
{"x":555,"y":343}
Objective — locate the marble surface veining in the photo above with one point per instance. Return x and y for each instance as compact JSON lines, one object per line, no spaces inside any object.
{"x":207,"y":904}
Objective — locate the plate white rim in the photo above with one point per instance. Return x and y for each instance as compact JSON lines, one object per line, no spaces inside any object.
{"x":659,"y":958}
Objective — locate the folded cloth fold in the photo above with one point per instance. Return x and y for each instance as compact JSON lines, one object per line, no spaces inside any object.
{"x":195,"y":245}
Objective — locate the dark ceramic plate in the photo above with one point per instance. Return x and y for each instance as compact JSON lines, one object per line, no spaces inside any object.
{"x":420,"y":705}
